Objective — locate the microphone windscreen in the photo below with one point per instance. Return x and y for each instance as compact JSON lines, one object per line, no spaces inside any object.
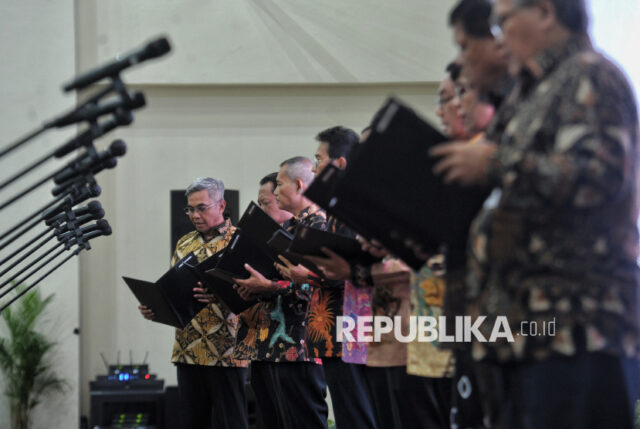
{"x":94,"y":206}
{"x":157,"y":48}
{"x":118,"y":148}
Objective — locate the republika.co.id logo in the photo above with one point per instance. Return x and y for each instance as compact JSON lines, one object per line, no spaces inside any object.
{"x":368,"y":329}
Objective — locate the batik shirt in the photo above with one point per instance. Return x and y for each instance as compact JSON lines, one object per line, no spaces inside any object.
{"x":284,"y":339}
{"x":390,"y":298}
{"x":326,"y":303}
{"x":561,"y":245}
{"x":429,"y":359}
{"x":209,"y":338}
{"x":253,"y":324}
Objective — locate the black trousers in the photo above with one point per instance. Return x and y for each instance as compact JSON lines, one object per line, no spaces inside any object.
{"x":588,"y":391}
{"x":266,"y":388}
{"x":212,"y":397}
{"x":473,"y":383}
{"x":349,"y":394}
{"x":304,"y":391}
{"x":385,"y":407}
{"x":423,"y":402}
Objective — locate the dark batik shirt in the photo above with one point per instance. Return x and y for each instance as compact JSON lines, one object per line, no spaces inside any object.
{"x":562,"y":242}
{"x":326,"y":303}
{"x":284,"y":339}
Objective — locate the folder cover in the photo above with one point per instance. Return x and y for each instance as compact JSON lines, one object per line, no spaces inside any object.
{"x":309,"y":241}
{"x":248,"y":245}
{"x":388,"y":191}
{"x":171,"y":296}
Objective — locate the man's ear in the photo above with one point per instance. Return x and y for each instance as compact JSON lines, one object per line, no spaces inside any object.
{"x":547,"y":13}
{"x":300,"y":185}
{"x":223,"y":203}
{"x":341,"y":163}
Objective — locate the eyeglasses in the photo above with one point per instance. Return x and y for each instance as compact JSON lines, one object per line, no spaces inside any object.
{"x":444,"y":100}
{"x":317,"y":162}
{"x":201,"y":208}
{"x":497,"y":22}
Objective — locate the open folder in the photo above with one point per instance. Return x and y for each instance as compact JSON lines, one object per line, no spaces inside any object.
{"x":388,"y":191}
{"x":171,"y":296}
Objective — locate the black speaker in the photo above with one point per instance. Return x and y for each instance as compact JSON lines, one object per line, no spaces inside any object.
{"x":171,"y":407}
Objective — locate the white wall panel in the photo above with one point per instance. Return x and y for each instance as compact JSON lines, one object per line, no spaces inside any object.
{"x":38,"y":54}
{"x":275,"y":41}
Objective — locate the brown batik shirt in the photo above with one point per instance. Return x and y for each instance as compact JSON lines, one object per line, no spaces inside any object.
{"x":210,"y":337}
{"x":561,"y":244}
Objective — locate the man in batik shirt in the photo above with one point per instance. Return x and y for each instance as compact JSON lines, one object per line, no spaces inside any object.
{"x":253,"y":326}
{"x":347,"y":385}
{"x":210,"y":379}
{"x":561,"y":245}
{"x":301,"y":380}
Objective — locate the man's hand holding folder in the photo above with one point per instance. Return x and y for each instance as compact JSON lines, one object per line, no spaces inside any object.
{"x":256,"y":284}
{"x":295,"y":273}
{"x":200,"y":294}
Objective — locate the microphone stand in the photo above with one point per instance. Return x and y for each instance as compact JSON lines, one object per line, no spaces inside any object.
{"x":75,"y":194}
{"x":95,"y":130}
{"x":75,"y":253}
{"x":47,"y":125}
{"x":91,"y":152}
{"x":31,"y":264}
{"x":79,"y":239}
{"x":17,"y":252}
{"x":70,"y":220}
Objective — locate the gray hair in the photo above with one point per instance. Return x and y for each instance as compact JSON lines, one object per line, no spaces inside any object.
{"x":214,"y":186}
{"x":572,"y":14}
{"x":299,"y":167}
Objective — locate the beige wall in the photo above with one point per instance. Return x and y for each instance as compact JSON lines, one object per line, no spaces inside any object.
{"x":276,"y":41}
{"x":37,"y":52}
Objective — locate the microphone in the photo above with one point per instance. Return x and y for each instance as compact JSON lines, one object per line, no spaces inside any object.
{"x":94,"y":207}
{"x":106,"y":231}
{"x":153,"y":49}
{"x":90,"y":112}
{"x":100,"y":225}
{"x":80,"y":220}
{"x":80,"y":178}
{"x":85,"y":192}
{"x":120,"y":117}
{"x":88,"y":161}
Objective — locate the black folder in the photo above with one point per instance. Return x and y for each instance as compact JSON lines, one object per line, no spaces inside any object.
{"x":248,"y":245}
{"x":171,"y":296}
{"x":281,"y":241}
{"x":221,"y":288}
{"x":388,"y":191}
{"x":309,"y":241}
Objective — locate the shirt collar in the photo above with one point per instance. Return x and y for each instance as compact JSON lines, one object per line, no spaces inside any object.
{"x":500,"y":90}
{"x":548,"y":60}
{"x":308,"y":211}
{"x":219,"y":230}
